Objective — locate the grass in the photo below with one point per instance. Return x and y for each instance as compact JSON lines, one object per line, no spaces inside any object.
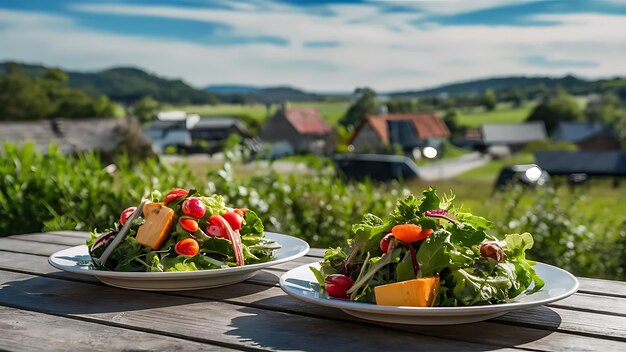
{"x":255,"y":111}
{"x":334,"y":110}
{"x":331,"y":110}
{"x":504,"y":113}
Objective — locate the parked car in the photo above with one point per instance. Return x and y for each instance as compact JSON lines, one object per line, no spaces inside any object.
{"x":377,"y":167}
{"x":528,"y":174}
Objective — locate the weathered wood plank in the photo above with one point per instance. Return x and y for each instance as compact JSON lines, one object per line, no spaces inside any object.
{"x":78,"y":234}
{"x":317,"y":252}
{"x":572,"y":321}
{"x":50,"y":238}
{"x":274,"y":299}
{"x":491,"y":332}
{"x":602,"y":287}
{"x":37,"y":265}
{"x":208,"y":321}
{"x":595,"y":303}
{"x":30,"y":331}
{"x":38,"y":248}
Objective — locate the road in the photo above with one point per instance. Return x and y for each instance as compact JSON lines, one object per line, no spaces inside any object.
{"x":449,"y":168}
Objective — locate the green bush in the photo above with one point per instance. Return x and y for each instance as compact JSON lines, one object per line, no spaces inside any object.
{"x":53,"y":191}
{"x":57,"y":192}
{"x":582,"y":243}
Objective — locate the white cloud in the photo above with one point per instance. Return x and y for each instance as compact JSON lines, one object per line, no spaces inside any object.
{"x":380,"y":50}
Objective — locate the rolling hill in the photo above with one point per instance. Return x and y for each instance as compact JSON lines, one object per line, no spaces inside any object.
{"x":264,"y":95}
{"x":127,"y":85}
{"x":524,"y":84}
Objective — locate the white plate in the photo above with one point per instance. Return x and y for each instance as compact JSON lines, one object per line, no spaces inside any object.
{"x":301,"y":284}
{"x":77,"y":260}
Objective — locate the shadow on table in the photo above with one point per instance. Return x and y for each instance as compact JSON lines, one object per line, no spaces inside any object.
{"x":69,"y":297}
{"x":326,"y":332}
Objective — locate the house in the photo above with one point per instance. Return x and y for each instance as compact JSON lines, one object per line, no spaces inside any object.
{"x":592,"y":163}
{"x":75,"y":135}
{"x":588,"y":136}
{"x":378,"y":133}
{"x":304,"y":129}
{"x":192,"y":133}
{"x":506,"y":136}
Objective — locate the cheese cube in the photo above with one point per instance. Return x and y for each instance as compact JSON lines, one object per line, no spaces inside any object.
{"x":416,"y":293}
{"x":154,"y":231}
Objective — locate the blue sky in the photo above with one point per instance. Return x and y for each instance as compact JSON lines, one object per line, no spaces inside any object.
{"x":321,"y":45}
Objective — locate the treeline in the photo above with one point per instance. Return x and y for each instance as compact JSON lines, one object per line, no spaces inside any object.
{"x":524,"y":88}
{"x":124,"y":85}
{"x":25,"y":97}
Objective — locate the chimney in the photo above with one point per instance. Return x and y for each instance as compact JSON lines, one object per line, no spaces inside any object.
{"x":383,"y":110}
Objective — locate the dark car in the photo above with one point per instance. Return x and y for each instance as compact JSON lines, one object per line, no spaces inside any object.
{"x":528,"y":174}
{"x":378,"y":167}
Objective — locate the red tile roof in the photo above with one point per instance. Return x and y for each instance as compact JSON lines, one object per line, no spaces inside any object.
{"x":427,"y":125}
{"x":307,"y":121}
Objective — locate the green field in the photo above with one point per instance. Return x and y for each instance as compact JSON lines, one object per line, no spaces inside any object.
{"x":503,"y":114}
{"x":334,"y":110}
{"x":331,"y":110}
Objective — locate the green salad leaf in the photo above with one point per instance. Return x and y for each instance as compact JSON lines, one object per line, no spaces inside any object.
{"x":451,"y":251}
{"x":213,"y":249}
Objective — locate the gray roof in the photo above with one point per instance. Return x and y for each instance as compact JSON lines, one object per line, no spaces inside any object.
{"x":600,"y":163}
{"x":579,"y":131}
{"x":71,"y":135}
{"x":507,"y":133}
{"x":204,"y":123}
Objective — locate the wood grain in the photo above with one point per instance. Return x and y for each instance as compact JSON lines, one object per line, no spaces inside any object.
{"x":208,"y":321}
{"x":30,"y":331}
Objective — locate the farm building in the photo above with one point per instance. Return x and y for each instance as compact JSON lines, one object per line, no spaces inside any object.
{"x":75,"y":135}
{"x":192,"y":133}
{"x":377,"y":133}
{"x":587,"y":136}
{"x":503,"y":138}
{"x":304,"y":129}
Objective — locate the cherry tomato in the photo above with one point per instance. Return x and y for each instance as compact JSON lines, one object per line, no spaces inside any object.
{"x":194,"y":207}
{"x":126,"y":214}
{"x":337,"y":285}
{"x":425,"y":233}
{"x":188,"y":224}
{"x":385,"y":242}
{"x":234,"y":220}
{"x":187,"y":246}
{"x":407,"y":232}
{"x":174,"y":194}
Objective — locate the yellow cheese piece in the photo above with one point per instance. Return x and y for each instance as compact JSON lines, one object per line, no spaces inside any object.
{"x":414,"y":293}
{"x":158,"y":219}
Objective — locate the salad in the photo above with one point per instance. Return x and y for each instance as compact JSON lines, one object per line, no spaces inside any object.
{"x":428,"y":253}
{"x":183,"y":231}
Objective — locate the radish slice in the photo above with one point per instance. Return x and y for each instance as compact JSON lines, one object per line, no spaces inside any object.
{"x":120,"y":236}
{"x":234,"y":238}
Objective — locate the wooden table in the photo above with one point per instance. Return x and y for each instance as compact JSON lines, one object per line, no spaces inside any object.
{"x":42,"y":308}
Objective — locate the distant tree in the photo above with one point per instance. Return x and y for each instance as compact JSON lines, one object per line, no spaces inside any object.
{"x":489,"y":100}
{"x":23,"y":97}
{"x":555,"y":109}
{"x":401,"y":105}
{"x":604,"y":108}
{"x":364,"y":105}
{"x":451,"y":119}
{"x":145,"y":109}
